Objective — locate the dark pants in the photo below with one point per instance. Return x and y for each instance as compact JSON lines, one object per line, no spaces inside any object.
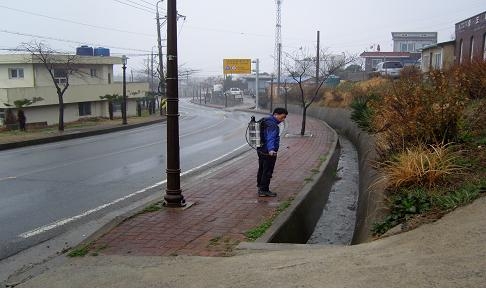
{"x":266,"y":164}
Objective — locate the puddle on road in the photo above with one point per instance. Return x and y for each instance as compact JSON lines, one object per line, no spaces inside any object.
{"x":336,"y":225}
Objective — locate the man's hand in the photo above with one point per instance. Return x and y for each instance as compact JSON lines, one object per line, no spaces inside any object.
{"x":272,"y":153}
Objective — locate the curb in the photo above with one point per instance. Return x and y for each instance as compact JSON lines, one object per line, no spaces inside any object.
{"x":69,"y":136}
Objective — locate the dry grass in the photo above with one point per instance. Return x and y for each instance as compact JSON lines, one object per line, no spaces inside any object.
{"x":425,"y":166}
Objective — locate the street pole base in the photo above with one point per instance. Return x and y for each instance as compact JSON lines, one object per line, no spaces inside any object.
{"x":174,"y":204}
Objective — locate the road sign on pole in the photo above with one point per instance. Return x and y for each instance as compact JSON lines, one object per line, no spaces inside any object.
{"x":236,"y":66}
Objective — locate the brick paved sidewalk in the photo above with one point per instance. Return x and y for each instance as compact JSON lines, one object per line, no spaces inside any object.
{"x":226,"y":204}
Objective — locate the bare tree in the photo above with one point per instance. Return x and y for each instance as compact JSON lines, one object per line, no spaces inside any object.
{"x":59,"y":66}
{"x":301,"y":67}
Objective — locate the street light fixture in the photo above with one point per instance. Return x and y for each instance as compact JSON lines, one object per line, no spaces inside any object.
{"x":124,"y":105}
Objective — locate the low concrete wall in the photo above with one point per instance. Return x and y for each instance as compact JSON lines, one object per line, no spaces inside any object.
{"x":296,"y":224}
{"x":370,"y":203}
{"x":292,"y":226}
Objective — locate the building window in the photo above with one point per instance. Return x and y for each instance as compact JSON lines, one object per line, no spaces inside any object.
{"x":16,"y":73}
{"x":411,"y":47}
{"x":471,"y":50}
{"x":484,"y":47}
{"x":109,"y":78}
{"x":403,"y":47}
{"x":93,"y":72}
{"x":375,"y":62}
{"x":84,"y":108}
{"x":437,"y":61}
{"x":2,"y":116}
{"x":60,"y":76}
{"x":460,"y":51}
{"x":117,"y":104}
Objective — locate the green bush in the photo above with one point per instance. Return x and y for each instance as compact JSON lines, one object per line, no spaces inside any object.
{"x":361,"y":113}
{"x":403,"y":204}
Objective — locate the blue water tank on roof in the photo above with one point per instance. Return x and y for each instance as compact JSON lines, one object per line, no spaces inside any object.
{"x":102,"y":52}
{"x":84,"y":50}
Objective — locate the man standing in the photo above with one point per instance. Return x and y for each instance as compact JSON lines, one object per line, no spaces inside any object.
{"x":267,"y":153}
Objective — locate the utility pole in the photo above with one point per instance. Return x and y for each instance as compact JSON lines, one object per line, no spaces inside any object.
{"x":271,"y":95}
{"x":161,"y":87}
{"x":278,"y":70}
{"x":278,"y":43}
{"x":317,"y":58}
{"x":124,"y":105}
{"x":152,"y":71}
{"x":173,"y":196}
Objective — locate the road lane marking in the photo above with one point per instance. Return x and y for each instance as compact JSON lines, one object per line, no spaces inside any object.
{"x":7,"y":178}
{"x":64,"y":221}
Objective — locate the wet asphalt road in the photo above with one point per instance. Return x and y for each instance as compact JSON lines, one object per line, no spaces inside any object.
{"x":45,"y":189}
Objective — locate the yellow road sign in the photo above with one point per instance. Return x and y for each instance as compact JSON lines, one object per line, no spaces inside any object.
{"x":236,"y":66}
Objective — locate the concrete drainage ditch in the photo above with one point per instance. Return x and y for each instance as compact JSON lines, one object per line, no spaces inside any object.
{"x":332,"y":211}
{"x":336,"y":224}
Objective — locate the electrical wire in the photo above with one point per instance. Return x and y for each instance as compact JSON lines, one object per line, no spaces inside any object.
{"x":74,"y":22}
{"x":136,"y":7}
{"x":70,"y":41}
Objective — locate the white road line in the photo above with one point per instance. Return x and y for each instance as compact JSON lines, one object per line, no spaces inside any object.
{"x":64,"y":221}
{"x":7,"y":178}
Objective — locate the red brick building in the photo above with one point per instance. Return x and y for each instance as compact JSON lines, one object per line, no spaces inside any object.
{"x":471,"y":39}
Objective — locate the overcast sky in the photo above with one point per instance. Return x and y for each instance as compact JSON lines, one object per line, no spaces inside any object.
{"x":217,"y":29}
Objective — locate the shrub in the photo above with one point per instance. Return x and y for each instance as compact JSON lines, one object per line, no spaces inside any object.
{"x":361,"y":113}
{"x":472,"y":125}
{"x":415,"y":110}
{"x":403,"y":204}
{"x":420,"y":165}
{"x":472,"y":77}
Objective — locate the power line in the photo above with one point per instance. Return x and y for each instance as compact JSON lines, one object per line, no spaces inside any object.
{"x":74,"y":22}
{"x":141,"y":5}
{"x":136,"y":7}
{"x":149,"y":3}
{"x":70,"y":41}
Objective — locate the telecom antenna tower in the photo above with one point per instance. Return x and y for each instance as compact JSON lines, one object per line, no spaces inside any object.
{"x":278,"y":45}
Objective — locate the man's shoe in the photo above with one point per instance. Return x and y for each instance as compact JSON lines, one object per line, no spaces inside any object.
{"x":266,"y":194}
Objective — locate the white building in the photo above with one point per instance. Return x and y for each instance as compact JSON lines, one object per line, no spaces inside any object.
{"x":23,"y":76}
{"x":412,"y":42}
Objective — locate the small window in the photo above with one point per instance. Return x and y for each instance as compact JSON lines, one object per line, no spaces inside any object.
{"x":375,"y":62}
{"x":484,"y":47}
{"x":461,"y":51}
{"x":93,"y":72}
{"x":411,"y":47}
{"x":471,"y":50}
{"x":16,"y":73}
{"x":84,"y":108}
{"x":60,"y":76}
{"x":438,"y":61}
{"x":117,"y":106}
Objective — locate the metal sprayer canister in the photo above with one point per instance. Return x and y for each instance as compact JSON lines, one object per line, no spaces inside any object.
{"x":254,"y":133}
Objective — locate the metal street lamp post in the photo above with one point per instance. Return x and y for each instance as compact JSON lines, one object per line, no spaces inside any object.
{"x":257,"y":85}
{"x":124,"y":105}
{"x":173,"y":196}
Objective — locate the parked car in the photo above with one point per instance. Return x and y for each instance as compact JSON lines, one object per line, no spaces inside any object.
{"x":389,"y":68}
{"x":235,"y":92}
